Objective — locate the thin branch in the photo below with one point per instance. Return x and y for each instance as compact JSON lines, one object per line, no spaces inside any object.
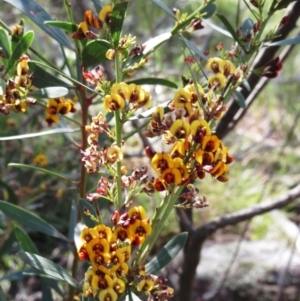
{"x":230,"y":119}
{"x":245,"y":214}
{"x":196,"y":238}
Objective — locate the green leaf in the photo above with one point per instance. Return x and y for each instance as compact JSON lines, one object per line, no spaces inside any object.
{"x":25,"y":241}
{"x":42,"y":170}
{"x":208,"y":11}
{"x":46,"y":291}
{"x":131,"y":296}
{"x":4,"y":43}
{"x":43,"y":79}
{"x":86,"y":219}
{"x":151,"y":44}
{"x":153,"y":81}
{"x":29,"y":219}
{"x":94,"y":52}
{"x":38,"y":15}
{"x":291,"y":41}
{"x":7,"y":244}
{"x":44,"y":133}
{"x":50,"y":92}
{"x":22,"y":46}
{"x":164,"y":8}
{"x":246,"y":85}
{"x":72,"y":220}
{"x":240,"y":99}
{"x":116,"y":21}
{"x":192,"y":47}
{"x":2,"y":86}
{"x":97,"y":5}
{"x":217,"y":28}
{"x":231,"y":30}
{"x":49,"y":268}
{"x":149,"y":47}
{"x":17,"y":275}
{"x":168,"y":252}
{"x":66,"y":26}
{"x":2,"y":296}
{"x":52,"y":283}
{"x":247,"y":25}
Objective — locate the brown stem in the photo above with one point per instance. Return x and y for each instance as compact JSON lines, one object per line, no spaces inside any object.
{"x":198,"y":236}
{"x":84,"y":121}
{"x":234,"y":112}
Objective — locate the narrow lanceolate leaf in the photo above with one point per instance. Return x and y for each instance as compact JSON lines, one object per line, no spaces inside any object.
{"x":208,"y":11}
{"x":168,"y":252}
{"x":240,"y":99}
{"x":29,"y":219}
{"x":2,"y":296}
{"x":247,"y":26}
{"x":94,"y":52}
{"x":42,"y":170}
{"x":97,"y":5}
{"x":116,"y":21}
{"x":48,"y":267}
{"x":165,"y":8}
{"x":4,"y":43}
{"x":246,"y":85}
{"x":38,"y":15}
{"x":192,"y":47}
{"x":149,"y":47}
{"x":231,"y":30}
{"x":2,"y":86}
{"x":44,"y":133}
{"x":66,"y":26}
{"x":50,"y":92}
{"x":7,"y":245}
{"x":72,"y":220}
{"x":25,"y":241}
{"x":291,"y":41}
{"x":43,"y":79}
{"x":131,"y":296}
{"x":153,"y":81}
{"x":151,"y":44}
{"x":22,"y":46}
{"x":52,"y":283}
{"x":217,"y":28}
{"x":47,"y":294}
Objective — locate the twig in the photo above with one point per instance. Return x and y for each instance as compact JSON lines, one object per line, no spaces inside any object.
{"x":197,"y":237}
{"x":248,"y":213}
{"x":230,"y":119}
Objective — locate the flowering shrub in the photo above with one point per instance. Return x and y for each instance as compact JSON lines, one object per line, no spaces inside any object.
{"x":117,"y":251}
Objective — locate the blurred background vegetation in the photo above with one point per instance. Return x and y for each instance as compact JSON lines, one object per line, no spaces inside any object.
{"x":265,"y":143}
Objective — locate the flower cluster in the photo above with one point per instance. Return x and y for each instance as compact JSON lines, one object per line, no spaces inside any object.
{"x":95,"y":21}
{"x":57,"y":106}
{"x":109,"y":251}
{"x":222,"y":69}
{"x":16,"y":89}
{"x":40,"y":160}
{"x":127,"y":98}
{"x":195,"y":149}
